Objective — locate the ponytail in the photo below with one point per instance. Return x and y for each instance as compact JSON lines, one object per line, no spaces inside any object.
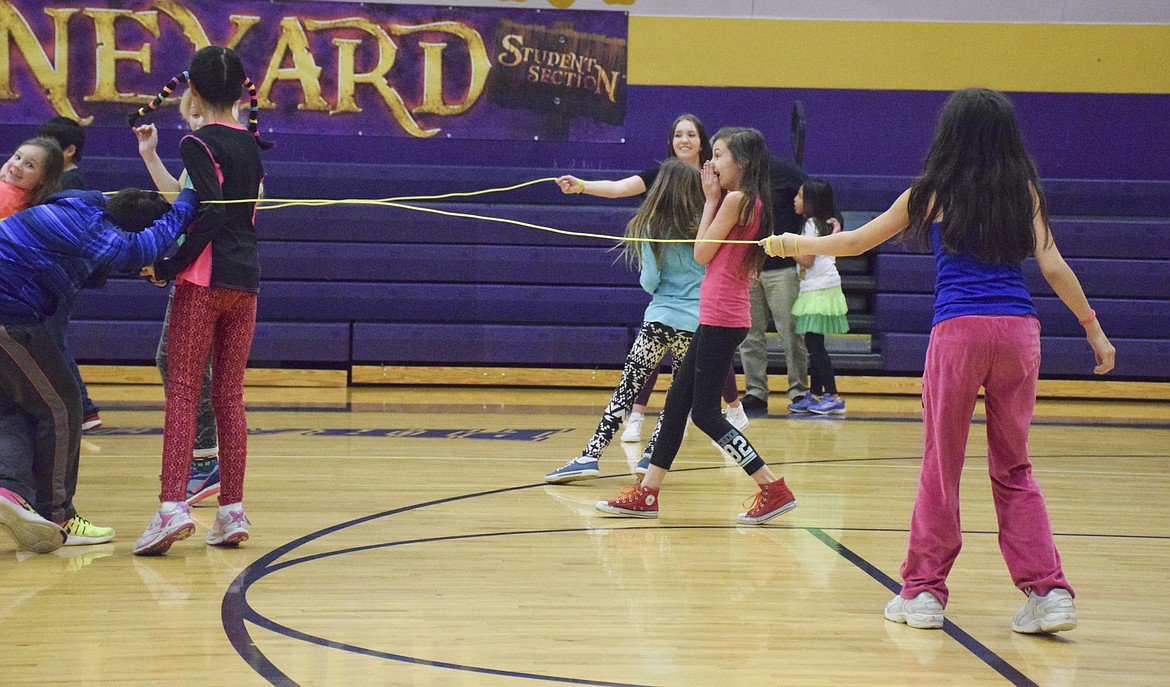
{"x":162,"y":95}
{"x":254,"y":115}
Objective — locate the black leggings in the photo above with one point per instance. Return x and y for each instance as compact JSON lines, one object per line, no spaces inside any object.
{"x":696,"y":389}
{"x":820,"y":366}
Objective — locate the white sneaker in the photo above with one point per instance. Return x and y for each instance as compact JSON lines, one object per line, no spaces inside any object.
{"x":737,"y":417}
{"x":633,"y":431}
{"x":1045,"y":614}
{"x":923,"y":612}
{"x":165,"y":529}
{"x":229,"y":529}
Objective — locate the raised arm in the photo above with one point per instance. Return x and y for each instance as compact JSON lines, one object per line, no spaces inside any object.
{"x":1066,"y":285}
{"x":878,"y":230}
{"x":148,"y":148}
{"x":720,"y":214}
{"x":622,"y":188}
{"x":201,"y":167}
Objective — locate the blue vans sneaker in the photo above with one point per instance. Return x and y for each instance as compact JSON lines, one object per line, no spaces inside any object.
{"x":583,"y":467}
{"x":829,"y":405}
{"x":802,"y":404}
{"x":202,"y":484}
{"x":643,"y":466}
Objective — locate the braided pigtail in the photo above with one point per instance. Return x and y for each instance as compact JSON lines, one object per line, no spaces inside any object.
{"x":165,"y":93}
{"x":254,"y":115}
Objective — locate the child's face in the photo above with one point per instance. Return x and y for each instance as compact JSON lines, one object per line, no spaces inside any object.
{"x":194,"y":117}
{"x":726,"y":168}
{"x":686,"y":143}
{"x":798,"y":201}
{"x":26,"y":167}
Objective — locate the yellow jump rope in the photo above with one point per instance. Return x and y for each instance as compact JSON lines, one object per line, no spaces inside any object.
{"x":279,"y":203}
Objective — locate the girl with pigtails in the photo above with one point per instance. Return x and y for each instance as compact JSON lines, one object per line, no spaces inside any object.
{"x":217,"y":277}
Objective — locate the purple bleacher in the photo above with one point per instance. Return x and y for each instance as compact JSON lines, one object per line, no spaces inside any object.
{"x":1060,"y":357}
{"x":376,"y":224}
{"x":912,"y":273}
{"x":1122,"y":318}
{"x":379,"y":262}
{"x":321,"y":301}
{"x":274,"y":342}
{"x":488,"y":344}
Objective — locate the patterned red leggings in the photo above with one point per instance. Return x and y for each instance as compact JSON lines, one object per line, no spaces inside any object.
{"x":207,"y":321}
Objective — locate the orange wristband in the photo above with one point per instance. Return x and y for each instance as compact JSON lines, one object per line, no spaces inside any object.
{"x":1092,"y":316}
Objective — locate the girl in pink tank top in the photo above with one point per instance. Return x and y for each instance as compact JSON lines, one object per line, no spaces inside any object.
{"x":738,"y":205}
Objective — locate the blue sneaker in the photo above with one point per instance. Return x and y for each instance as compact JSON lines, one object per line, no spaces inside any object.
{"x":829,"y":405}
{"x":583,"y":467}
{"x":642,"y":467}
{"x":802,"y":404}
{"x":202,"y":484}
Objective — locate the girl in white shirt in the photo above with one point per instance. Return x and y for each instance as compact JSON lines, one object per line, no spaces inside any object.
{"x":820,"y":308}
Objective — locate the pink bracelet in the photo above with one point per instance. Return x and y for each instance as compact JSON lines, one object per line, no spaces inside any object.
{"x":1092,"y":316}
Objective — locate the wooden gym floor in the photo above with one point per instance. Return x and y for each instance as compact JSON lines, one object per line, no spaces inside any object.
{"x":405,"y":537}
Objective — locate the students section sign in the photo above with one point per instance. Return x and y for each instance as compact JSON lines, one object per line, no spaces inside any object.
{"x":328,"y":68}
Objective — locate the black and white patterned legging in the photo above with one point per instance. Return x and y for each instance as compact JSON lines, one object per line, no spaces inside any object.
{"x":651,"y":345}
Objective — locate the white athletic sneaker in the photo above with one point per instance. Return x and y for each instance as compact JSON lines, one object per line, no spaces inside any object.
{"x":229,"y":529}
{"x":633,"y":431}
{"x":923,"y":612}
{"x":1046,"y":614}
{"x":737,"y":417}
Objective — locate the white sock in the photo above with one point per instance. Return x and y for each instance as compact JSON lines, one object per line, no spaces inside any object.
{"x":171,"y":506}
{"x":224,"y":511}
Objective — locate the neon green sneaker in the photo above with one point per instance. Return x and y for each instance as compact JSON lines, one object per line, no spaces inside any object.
{"x":82,"y":532}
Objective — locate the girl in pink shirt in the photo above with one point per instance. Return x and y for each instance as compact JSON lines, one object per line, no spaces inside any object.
{"x":738,"y":206}
{"x":31,"y":175}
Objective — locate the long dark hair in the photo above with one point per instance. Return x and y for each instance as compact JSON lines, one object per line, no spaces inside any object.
{"x":671,"y":210}
{"x":704,"y":142}
{"x":819,"y":205}
{"x":981,"y":180}
{"x":54,"y":168}
{"x":749,"y":151}
{"x":217,"y":74}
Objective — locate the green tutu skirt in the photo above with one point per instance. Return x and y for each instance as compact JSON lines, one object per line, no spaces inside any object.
{"x":821,"y":311}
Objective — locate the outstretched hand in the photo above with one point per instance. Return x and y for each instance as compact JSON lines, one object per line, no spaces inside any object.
{"x":148,"y":272}
{"x":570,"y":185}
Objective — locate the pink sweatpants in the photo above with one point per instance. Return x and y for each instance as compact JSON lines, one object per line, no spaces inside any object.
{"x":1001,"y":354}
{"x":218,"y":322}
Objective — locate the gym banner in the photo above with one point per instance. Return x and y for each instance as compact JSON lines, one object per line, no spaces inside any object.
{"x":328,"y":68}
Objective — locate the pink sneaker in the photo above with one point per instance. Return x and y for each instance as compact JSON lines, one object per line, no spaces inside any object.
{"x":636,"y":501}
{"x":229,"y":530}
{"x":28,"y":528}
{"x":773,"y":499}
{"x":165,"y":529}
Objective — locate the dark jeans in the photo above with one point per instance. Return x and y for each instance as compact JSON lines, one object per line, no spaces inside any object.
{"x":696,"y":389}
{"x":35,"y":378}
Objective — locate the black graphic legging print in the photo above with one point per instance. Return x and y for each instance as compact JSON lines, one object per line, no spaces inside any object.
{"x":651,"y":345}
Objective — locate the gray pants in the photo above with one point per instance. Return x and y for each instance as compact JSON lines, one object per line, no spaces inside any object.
{"x":774,"y":291}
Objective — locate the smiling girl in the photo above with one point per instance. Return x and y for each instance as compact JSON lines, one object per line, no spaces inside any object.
{"x":31,"y":175}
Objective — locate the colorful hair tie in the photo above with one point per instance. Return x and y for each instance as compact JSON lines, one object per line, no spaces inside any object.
{"x":181,"y":78}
